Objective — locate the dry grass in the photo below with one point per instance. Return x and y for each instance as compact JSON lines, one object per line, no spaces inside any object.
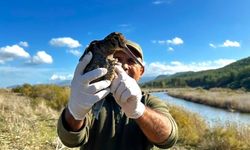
{"x":24,"y":127}
{"x":227,"y":137}
{"x":191,"y":126}
{"x":233,"y":100}
{"x":194,"y":133}
{"x":151,"y":90}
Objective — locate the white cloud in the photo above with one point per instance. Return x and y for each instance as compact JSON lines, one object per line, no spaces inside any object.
{"x":176,"y":63}
{"x":154,"y":41}
{"x":175,"y":41}
{"x":65,"y":42}
{"x":212,"y":45}
{"x":9,"y":53}
{"x":158,"y":2}
{"x":124,"y":25}
{"x":23,"y":44}
{"x":17,"y":75}
{"x":162,"y":42}
{"x":159,"y":68}
{"x":170,"y":49}
{"x":42,"y":57}
{"x":229,"y":43}
{"x":224,"y":62}
{"x":56,"y":77}
{"x":75,"y":52}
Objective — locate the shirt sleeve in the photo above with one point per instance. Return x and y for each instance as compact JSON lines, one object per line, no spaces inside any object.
{"x":161,"y":107}
{"x":70,"y":138}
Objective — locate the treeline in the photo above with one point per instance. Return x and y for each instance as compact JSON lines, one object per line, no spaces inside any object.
{"x":54,"y":96}
{"x":234,"y":76}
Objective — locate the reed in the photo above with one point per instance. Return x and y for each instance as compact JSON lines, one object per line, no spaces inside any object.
{"x":25,"y":125}
{"x":232,"y":100}
{"x":194,"y":133}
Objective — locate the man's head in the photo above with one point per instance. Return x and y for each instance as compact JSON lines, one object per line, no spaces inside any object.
{"x":135,"y":48}
{"x":129,"y":64}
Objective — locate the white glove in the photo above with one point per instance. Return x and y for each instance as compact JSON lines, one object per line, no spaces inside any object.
{"x":83,"y":94}
{"x":127,"y":94}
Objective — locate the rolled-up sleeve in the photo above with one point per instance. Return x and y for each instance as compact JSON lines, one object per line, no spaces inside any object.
{"x":161,"y":107}
{"x":173,"y":137}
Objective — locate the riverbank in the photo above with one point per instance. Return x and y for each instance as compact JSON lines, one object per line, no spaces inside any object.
{"x":23,"y":116}
{"x":231,"y":100}
{"x":152,"y":90}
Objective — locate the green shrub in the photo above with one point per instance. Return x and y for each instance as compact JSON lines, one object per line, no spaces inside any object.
{"x":226,"y":137}
{"x":191,"y":126}
{"x":55,"y":96}
{"x":195,"y":134}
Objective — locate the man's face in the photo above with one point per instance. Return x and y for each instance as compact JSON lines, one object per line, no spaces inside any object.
{"x":133,"y":69}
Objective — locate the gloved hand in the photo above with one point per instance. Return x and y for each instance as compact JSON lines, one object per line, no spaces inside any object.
{"x":83,"y":94}
{"x":127,"y":94}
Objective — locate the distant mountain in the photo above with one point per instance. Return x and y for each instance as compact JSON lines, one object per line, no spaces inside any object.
{"x":145,"y":79}
{"x":235,"y":75}
{"x":63,"y":83}
{"x":178,"y":74}
{"x":12,"y":86}
{"x":68,"y":82}
{"x":161,"y":77}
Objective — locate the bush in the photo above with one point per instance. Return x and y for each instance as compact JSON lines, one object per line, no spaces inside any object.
{"x":191,"y":126}
{"x":54,"y":96}
{"x":195,"y":134}
{"x":226,"y":137}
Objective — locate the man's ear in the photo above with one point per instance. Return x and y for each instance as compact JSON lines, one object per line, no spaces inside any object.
{"x":142,"y":70}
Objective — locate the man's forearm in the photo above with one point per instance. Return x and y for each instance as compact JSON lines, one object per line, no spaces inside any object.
{"x":71,"y":123}
{"x":156,"y":127}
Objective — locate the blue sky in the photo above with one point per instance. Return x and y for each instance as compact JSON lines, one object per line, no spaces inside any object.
{"x":41,"y":41}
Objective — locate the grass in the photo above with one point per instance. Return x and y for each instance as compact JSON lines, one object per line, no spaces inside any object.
{"x":194,"y":133}
{"x":30,"y":123}
{"x":151,"y":90}
{"x":25,"y":126}
{"x":229,"y":137}
{"x":232,"y":100}
{"x":191,"y":126}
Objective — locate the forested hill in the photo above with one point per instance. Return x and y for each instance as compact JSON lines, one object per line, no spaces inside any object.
{"x":234,"y":76}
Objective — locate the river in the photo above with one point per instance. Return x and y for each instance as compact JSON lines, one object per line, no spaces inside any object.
{"x":212,"y":115}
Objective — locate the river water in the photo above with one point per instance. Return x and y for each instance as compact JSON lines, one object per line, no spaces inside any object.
{"x":212,"y":115}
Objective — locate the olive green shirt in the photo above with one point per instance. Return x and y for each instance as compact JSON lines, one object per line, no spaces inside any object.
{"x":114,"y":131}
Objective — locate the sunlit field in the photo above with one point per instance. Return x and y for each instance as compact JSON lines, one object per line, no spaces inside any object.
{"x":232,"y":100}
{"x":30,"y":123}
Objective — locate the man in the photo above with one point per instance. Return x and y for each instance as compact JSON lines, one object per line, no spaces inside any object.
{"x":128,"y":120}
